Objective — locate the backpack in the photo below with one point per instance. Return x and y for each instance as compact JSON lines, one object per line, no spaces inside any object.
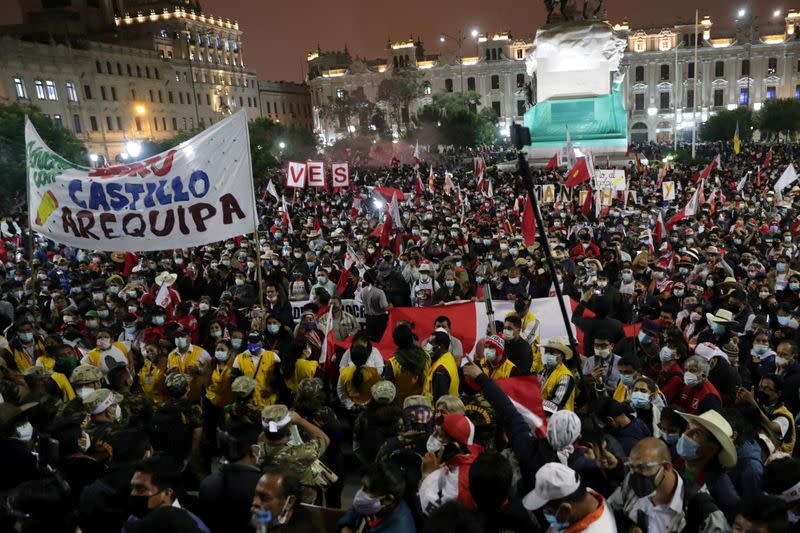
{"x":170,"y":433}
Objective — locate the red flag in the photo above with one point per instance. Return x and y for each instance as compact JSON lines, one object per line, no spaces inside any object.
{"x":707,"y":171}
{"x":417,"y":186}
{"x":480,"y":172}
{"x":417,"y":159}
{"x":431,"y":180}
{"x":688,"y":211}
{"x":553,"y":163}
{"x":349,"y":259}
{"x":586,"y":208}
{"x":578,"y":174}
{"x":768,"y":158}
{"x":529,"y":223}
{"x":660,"y":231}
{"x":525,"y":394}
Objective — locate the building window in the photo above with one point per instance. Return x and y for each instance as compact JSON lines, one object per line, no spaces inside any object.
{"x":495,"y":81}
{"x":663,"y":100}
{"x":72,"y":94}
{"x":745,"y":67}
{"x":57,"y":120}
{"x":102,"y":92}
{"x":719,"y":69}
{"x":170,"y":97}
{"x":638,"y":101}
{"x":188,"y":98}
{"x":157,"y":75}
{"x":155,"y":123}
{"x":133,"y":93}
{"x":128,"y":68}
{"x":174,"y":124}
{"x":19,"y":87}
{"x":39,"y":85}
{"x":160,"y":97}
{"x":690,"y":98}
{"x":797,"y":91}
{"x":771,"y":93}
{"x":138,"y":122}
{"x":108,"y":67}
{"x":718,"y":97}
{"x":269,"y":109}
{"x":520,"y":53}
{"x":147,"y":72}
{"x":98,"y":66}
{"x":208,"y":100}
{"x":744,"y":96}
{"x":109,"y":124}
{"x":164,"y":123}
{"x":494,"y":54}
{"x":138,"y":71}
{"x":520,"y":107}
{"x":496,"y":108}
{"x":87,"y":92}
{"x":520,"y":81}
{"x":119,"y":69}
{"x":119,"y":124}
{"x":76,"y":123}
{"x":690,"y":70}
{"x":470,"y":84}
{"x":664,"y":72}
{"x":151,"y":95}
{"x":772,"y":66}
{"x":180,"y":97}
{"x":448,"y":85}
{"x":639,"y":74}
{"x":114,"y":93}
{"x":93,"y":123}
{"x":52,"y":93}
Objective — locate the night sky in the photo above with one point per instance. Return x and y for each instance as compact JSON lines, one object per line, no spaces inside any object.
{"x":277,"y":34}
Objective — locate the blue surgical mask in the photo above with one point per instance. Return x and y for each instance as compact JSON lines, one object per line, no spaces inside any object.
{"x":640,"y":400}
{"x":644,"y":338}
{"x":784,"y":320}
{"x":450,"y":283}
{"x":716,"y":328}
{"x":254,"y":347}
{"x":26,"y":337}
{"x":554,"y":523}
{"x":130,"y":330}
{"x":236,"y":343}
{"x":273,"y":328}
{"x":158,"y":320}
{"x":549,"y":360}
{"x":670,"y":438}
{"x":627,"y":278}
{"x":627,"y":379}
{"x":665,"y":354}
{"x":181,"y":342}
{"x":687,"y":448}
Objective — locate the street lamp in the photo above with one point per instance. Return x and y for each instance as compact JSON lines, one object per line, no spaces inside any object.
{"x":741,"y":13}
{"x":475,"y":33}
{"x":777,"y":13}
{"x":460,"y":41}
{"x":282,"y":145}
{"x":93,"y":158}
{"x":133,"y":149}
{"x":140,"y":110}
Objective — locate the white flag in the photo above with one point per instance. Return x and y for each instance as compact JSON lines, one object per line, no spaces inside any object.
{"x":788,"y":177}
{"x":162,"y":298}
{"x":397,"y":221}
{"x":272,"y":190}
{"x":571,"y":159}
{"x":743,"y":181}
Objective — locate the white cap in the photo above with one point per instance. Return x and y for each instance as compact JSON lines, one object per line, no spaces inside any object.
{"x":553,"y":482}
{"x":708,"y":351}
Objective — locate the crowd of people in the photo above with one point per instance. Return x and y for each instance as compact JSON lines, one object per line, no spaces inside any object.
{"x":186,"y":390}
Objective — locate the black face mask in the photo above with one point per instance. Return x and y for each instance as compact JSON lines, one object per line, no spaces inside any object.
{"x":137,"y":506}
{"x":642,"y":485}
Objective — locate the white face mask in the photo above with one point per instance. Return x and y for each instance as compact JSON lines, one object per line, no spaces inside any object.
{"x":508,"y":334}
{"x":24,"y":432}
{"x":117,"y":413}
{"x":434,"y":444}
{"x":83,"y":392}
{"x":86,"y":442}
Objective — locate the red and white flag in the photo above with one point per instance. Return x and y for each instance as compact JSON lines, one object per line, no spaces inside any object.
{"x":480,"y":172}
{"x":553,"y":163}
{"x":448,"y":183}
{"x":163,"y":298}
{"x":394,"y":209}
{"x":287,"y":219}
{"x":272,"y":190}
{"x":431,"y":181}
{"x":689,"y":211}
{"x":768,"y":158}
{"x":660,"y":230}
{"x":525,"y":394}
{"x":417,"y":159}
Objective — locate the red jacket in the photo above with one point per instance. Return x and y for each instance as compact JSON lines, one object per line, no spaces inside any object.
{"x":697,"y":400}
{"x":590,"y":252}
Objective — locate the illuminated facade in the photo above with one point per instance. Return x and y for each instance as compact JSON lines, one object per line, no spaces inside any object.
{"x":746,"y":68}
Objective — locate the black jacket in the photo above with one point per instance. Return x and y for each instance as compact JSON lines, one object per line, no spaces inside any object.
{"x":225,"y":498}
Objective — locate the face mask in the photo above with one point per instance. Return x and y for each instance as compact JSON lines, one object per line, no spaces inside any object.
{"x":690,"y":379}
{"x":716,"y":328}
{"x":137,"y":506}
{"x":694,"y":317}
{"x":670,"y":438}
{"x":236,"y":343}
{"x":203,"y":306}
{"x":113,"y":290}
{"x":434,"y":444}
{"x":98,"y":296}
{"x":640,"y":400}
{"x":710,"y":283}
{"x":87,"y":442}
{"x":239,"y":281}
{"x":508,"y":334}
{"x":644,"y":338}
{"x":627,"y":379}
{"x":478,"y":279}
{"x":181,"y":342}
{"x":83,"y":392}
{"x":158,"y":320}
{"x":780,"y":267}
{"x":554,"y":523}
{"x":450,"y":283}
{"x":780,"y":361}
{"x":784,"y":320}
{"x":627,"y":278}
{"x":678,"y":293}
{"x":513,"y":281}
{"x":130,"y":330}
{"x":216,"y":333}
{"x":514,"y":252}
{"x":103,"y":314}
{"x":490,"y":354}
{"x":665,"y":354}
{"x":602,"y":353}
{"x":221,"y":356}
{"x":760,"y":349}
{"x":687,"y":448}
{"x":254,"y":347}
{"x":642,"y":485}
{"x":549,"y":360}
{"x":24,"y":432}
{"x":26,"y":337}
{"x":763,"y":295}
{"x":273,"y":328}
{"x":366,"y":505}
{"x":371,"y":250}
{"x":226,"y":262}
{"x":310,"y":326}
{"x":117,"y":413}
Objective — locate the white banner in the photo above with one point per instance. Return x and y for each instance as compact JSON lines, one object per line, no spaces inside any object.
{"x":196,"y":193}
{"x":609,"y":179}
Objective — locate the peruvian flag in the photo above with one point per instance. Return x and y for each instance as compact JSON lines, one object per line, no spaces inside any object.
{"x":417,"y":185}
{"x":553,"y":163}
{"x":448,"y":183}
{"x":529,"y":223}
{"x":349,"y":260}
{"x":578,"y":174}
{"x":417,"y":159}
{"x":525,"y":394}
{"x":768,"y":158}
{"x":163,"y":299}
{"x":689,"y":211}
{"x":586,"y":208}
{"x":489,"y":190}
{"x":660,"y":230}
{"x":707,"y":171}
{"x":431,"y":181}
{"x":287,"y":219}
{"x":480,"y":172}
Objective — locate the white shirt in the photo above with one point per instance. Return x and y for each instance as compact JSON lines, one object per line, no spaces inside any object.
{"x":605,"y":523}
{"x":659,"y":517}
{"x":375,"y":360}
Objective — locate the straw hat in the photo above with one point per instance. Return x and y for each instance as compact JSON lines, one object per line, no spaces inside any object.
{"x":166,"y":278}
{"x":716,"y":424}
{"x":558,"y":344}
{"x":723,"y":316}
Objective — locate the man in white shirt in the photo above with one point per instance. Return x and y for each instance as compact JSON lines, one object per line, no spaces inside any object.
{"x":375,"y":359}
{"x":655,"y":498}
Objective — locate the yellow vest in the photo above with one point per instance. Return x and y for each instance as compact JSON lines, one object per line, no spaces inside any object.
{"x":536,"y":366}
{"x":791,"y":435}
{"x":448,"y":362}
{"x":549,"y":387}
{"x":364,"y":394}
{"x":67,"y":393}
{"x":502,"y":371}
{"x":94,"y":353}
{"x":406,"y":383}
{"x":21,"y":358}
{"x":152,"y":381}
{"x":303,"y":369}
{"x":265,"y":380}
{"x":174,"y":360}
{"x":621,"y":393}
{"x":48,"y":362}
{"x":219,"y":390}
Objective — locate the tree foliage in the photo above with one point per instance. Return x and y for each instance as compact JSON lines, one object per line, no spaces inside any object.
{"x":779,"y":116}
{"x":457,"y":121}
{"x":722,"y":125}
{"x":12,"y":150}
{"x":398,"y":91}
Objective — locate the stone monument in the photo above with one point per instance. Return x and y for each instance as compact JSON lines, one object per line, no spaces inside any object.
{"x":575,"y":61}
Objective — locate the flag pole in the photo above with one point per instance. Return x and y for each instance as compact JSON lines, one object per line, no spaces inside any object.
{"x":524,"y":171}
{"x":259,"y":261}
{"x":30,"y":238}
{"x":694,"y":91}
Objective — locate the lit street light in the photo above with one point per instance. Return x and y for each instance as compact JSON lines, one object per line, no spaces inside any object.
{"x":93,"y":158}
{"x":133,"y":148}
{"x":741,"y":13}
{"x":776,"y":13}
{"x":282,"y":145}
{"x":140,"y":110}
{"x":475,"y":33}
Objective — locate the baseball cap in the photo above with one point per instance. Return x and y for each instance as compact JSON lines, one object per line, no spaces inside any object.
{"x":383,"y":392}
{"x":554,"y":481}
